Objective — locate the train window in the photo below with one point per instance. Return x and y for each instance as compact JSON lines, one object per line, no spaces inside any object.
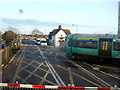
{"x":73,"y":43}
{"x":83,"y":44}
{"x":116,"y":46}
{"x":88,"y":44}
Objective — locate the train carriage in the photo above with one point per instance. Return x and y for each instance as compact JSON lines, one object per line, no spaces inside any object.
{"x":95,"y":45}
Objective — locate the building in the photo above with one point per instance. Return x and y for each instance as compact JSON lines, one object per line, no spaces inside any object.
{"x":57,"y":36}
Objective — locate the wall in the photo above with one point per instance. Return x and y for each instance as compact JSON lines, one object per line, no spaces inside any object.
{"x":61,"y":32}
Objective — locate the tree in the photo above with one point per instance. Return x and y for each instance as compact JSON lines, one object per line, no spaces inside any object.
{"x":9,"y":36}
{"x":36,"y":33}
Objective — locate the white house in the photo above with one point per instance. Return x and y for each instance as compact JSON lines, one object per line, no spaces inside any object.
{"x":57,"y":36}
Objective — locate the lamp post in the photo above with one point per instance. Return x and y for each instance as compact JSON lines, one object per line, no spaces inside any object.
{"x":20,"y":13}
{"x":76,"y":27}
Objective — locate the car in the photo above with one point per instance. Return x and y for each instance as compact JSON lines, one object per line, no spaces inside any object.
{"x":43,"y":42}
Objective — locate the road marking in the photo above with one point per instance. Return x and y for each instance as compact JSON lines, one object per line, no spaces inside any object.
{"x":104,"y":72}
{"x":33,"y":71}
{"x":51,"y":52}
{"x":104,"y":66}
{"x":77,"y":65}
{"x":70,"y":76}
{"x":14,"y":78}
{"x":14,"y":56}
{"x":91,"y":76}
{"x":79,"y":76}
{"x":52,"y":70}
{"x":41,"y":78}
{"x":35,"y":67}
{"x":42,"y":81}
{"x":25,"y":66}
{"x":22,"y":80}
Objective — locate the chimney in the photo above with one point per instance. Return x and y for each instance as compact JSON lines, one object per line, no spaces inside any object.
{"x":60,"y":27}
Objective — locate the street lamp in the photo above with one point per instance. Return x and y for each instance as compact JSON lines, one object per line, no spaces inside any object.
{"x":20,"y":13}
{"x":76,"y":27}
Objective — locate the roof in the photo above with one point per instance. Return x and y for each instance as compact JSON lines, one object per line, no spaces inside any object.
{"x":96,"y":35}
{"x":55,"y":31}
{"x":67,"y":31}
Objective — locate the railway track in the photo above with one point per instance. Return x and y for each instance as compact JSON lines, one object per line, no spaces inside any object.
{"x":48,"y":65}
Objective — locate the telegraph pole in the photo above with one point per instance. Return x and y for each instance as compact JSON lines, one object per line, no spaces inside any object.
{"x":20,"y":13}
{"x":119,"y":19}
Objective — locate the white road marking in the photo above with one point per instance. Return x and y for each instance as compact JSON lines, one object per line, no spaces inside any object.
{"x":14,"y":78}
{"x":52,"y":70}
{"x":15,"y":55}
{"x":90,"y":73}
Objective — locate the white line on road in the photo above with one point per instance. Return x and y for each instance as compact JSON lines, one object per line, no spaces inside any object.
{"x":52,"y":70}
{"x":14,"y":78}
{"x":15,"y":55}
{"x":89,"y":73}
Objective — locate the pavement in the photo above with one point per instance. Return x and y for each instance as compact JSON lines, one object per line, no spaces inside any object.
{"x":49,"y":66}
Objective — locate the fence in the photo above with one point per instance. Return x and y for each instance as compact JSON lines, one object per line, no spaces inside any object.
{"x":6,"y":54}
{"x":8,"y":51}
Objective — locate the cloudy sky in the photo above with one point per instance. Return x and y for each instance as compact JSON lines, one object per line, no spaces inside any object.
{"x":91,"y":16}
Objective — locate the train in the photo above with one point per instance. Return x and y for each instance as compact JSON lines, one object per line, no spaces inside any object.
{"x":93,"y":45}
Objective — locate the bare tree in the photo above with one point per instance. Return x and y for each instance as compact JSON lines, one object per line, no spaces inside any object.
{"x":36,"y":32}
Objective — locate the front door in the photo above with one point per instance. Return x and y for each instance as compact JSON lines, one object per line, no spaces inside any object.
{"x":105,"y":47}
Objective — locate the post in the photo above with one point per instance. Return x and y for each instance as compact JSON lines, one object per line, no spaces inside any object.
{"x":20,"y":13}
{"x":0,"y":57}
{"x":119,"y":20}
{"x":76,"y":27}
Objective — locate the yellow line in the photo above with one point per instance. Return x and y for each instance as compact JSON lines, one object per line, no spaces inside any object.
{"x":91,"y":76}
{"x":25,"y":66}
{"x":41,"y":78}
{"x":42,"y":81}
{"x":23,"y":81}
{"x":70,"y":76}
{"x":33,"y":71}
{"x":88,"y":38}
{"x":80,"y":76}
{"x":39,"y":67}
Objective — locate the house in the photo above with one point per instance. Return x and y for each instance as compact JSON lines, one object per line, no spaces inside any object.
{"x":57,"y":36}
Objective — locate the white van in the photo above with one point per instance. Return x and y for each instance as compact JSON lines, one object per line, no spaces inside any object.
{"x":43,"y":42}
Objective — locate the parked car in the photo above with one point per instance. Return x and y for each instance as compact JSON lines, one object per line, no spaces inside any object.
{"x":41,"y":41}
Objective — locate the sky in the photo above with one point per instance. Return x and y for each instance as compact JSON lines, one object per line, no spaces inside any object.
{"x":91,"y":16}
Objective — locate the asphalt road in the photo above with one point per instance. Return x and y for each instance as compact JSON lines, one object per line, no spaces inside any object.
{"x":49,"y":66}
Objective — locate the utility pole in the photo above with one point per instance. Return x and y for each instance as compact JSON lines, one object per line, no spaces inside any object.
{"x":76,"y":27}
{"x":119,"y":19}
{"x":0,"y":57}
{"x":20,"y":13}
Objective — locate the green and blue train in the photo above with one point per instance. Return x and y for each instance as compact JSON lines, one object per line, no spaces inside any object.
{"x":95,"y":45}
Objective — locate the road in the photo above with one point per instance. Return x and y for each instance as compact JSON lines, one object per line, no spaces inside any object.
{"x":49,"y":66}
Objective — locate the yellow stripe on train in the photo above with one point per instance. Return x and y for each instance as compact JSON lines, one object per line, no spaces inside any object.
{"x":88,"y":38}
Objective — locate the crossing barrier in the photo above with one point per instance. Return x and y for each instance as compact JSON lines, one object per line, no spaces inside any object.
{"x":28,"y":86}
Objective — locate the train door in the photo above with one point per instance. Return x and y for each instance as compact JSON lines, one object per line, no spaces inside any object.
{"x":105,"y":47}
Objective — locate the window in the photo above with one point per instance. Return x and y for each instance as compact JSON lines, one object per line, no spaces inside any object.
{"x":83,"y":44}
{"x":116,"y":46}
